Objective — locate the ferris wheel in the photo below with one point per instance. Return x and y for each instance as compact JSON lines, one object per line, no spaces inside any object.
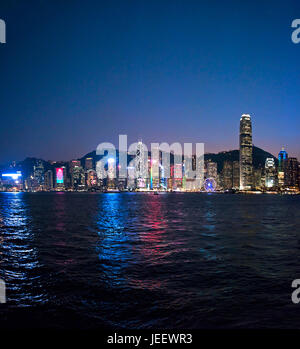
{"x":210,"y":185}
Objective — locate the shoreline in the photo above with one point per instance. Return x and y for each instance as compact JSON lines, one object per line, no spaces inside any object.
{"x":155,"y":192}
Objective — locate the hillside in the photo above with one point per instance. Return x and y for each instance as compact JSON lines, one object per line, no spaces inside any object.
{"x":259,"y":157}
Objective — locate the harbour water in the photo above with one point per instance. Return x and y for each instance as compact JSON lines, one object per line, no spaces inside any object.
{"x":137,"y":260}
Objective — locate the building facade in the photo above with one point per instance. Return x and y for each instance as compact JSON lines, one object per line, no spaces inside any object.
{"x":270,"y":174}
{"x":282,"y":168}
{"x":246,"y":162}
{"x":292,"y":173}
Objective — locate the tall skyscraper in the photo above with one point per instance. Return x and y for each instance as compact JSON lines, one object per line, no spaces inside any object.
{"x":259,"y":178}
{"x":88,"y":164}
{"x":77,"y":178}
{"x":270,"y":173}
{"x":178,"y":175}
{"x":292,"y":173}
{"x":246,"y":165}
{"x":227,"y":175}
{"x":49,"y":180}
{"x":211,"y":170}
{"x":38,"y":174}
{"x":111,"y":173}
{"x":282,"y":159}
{"x":282,"y":168}
{"x":91,"y":179}
{"x":60,"y":178}
{"x":141,"y":165}
{"x":236,"y":174}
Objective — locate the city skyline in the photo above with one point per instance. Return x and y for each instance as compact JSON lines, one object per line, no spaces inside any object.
{"x":134,"y":168}
{"x":146,"y":70}
{"x":249,"y":141}
{"x":84,"y":155}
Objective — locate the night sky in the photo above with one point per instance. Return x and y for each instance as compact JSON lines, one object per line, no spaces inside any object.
{"x":78,"y":73}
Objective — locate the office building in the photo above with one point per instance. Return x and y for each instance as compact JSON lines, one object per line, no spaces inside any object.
{"x":246,"y":165}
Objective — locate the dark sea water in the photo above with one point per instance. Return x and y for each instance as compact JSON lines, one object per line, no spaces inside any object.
{"x":133,"y":260}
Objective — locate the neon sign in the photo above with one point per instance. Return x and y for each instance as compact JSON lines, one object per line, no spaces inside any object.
{"x":59,"y":175}
{"x":14,"y":176}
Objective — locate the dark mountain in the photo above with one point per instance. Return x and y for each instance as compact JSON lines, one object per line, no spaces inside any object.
{"x":28,"y":164}
{"x":259,"y":157}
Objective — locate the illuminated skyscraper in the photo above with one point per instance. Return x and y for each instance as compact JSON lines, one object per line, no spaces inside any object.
{"x":211,"y":170}
{"x":49,"y":180}
{"x":246,"y":166}
{"x":88,"y":165}
{"x":227,"y":175}
{"x":292,"y":173}
{"x":236,"y":174}
{"x":76,"y":173}
{"x":12,"y":180}
{"x":230,"y":176}
{"x":111,"y":173}
{"x":270,"y":173}
{"x":178,"y":176}
{"x":38,"y":174}
{"x":60,"y":178}
{"x":77,"y":178}
{"x":74,"y":163}
{"x":259,"y":178}
{"x":282,"y":168}
{"x":91,"y":178}
{"x":282,"y":159}
{"x":170,"y":181}
{"x":141,"y":164}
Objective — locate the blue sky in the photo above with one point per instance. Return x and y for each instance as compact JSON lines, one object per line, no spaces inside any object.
{"x":75,"y":74}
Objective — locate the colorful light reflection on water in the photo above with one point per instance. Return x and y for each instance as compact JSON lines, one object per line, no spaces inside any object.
{"x":139,"y":260}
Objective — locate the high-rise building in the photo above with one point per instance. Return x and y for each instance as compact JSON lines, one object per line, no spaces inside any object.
{"x":236,"y":174}
{"x":211,"y":169}
{"x":76,"y":175}
{"x":111,"y":173}
{"x":74,"y":163}
{"x":141,"y":164}
{"x":131,"y":180}
{"x":246,"y":165}
{"x":88,"y":164}
{"x":60,"y":178}
{"x":77,"y":178}
{"x":170,"y":180}
{"x":230,"y":176}
{"x":282,"y":159}
{"x":190,"y":180}
{"x":178,"y":175}
{"x":258,"y":178}
{"x":270,"y":174}
{"x":38,"y":173}
{"x":292,"y":173}
{"x":12,"y":180}
{"x":48,"y":180}
{"x":91,"y":178}
{"x":282,"y":168}
{"x":227,"y":175}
